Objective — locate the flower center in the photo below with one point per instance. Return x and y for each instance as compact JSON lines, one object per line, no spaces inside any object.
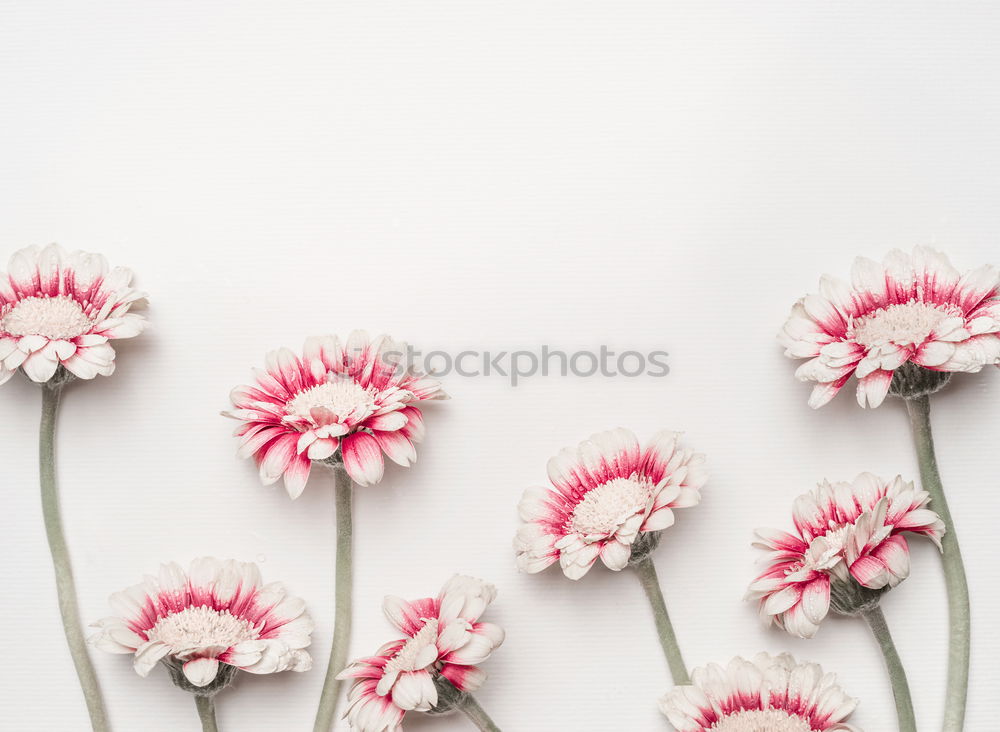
{"x":201,"y":627}
{"x":342,"y":397}
{"x":837,"y":535}
{"x":610,"y":504}
{"x":761,"y":720}
{"x":905,"y":324}
{"x":53,"y":317}
{"x":411,"y":656}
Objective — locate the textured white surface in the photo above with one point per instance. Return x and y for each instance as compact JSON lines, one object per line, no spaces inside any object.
{"x":495,"y":175}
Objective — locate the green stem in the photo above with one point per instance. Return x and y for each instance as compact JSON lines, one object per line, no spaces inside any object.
{"x":893,"y":664}
{"x":65,"y":589}
{"x":476,"y":713}
{"x":959,"y":620}
{"x":206,"y":712}
{"x":668,"y":639}
{"x":342,"y":601}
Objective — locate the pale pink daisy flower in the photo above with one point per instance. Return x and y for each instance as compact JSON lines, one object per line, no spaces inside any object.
{"x":913,"y":310}
{"x":444,"y":643}
{"x":207,"y":623}
{"x":765,"y":694}
{"x":61,"y":308}
{"x":609,"y":498}
{"x":849,"y":536}
{"x":352,"y":401}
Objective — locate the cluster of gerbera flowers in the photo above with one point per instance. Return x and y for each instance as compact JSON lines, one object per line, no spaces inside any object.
{"x":610,"y":499}
{"x":901,"y":326}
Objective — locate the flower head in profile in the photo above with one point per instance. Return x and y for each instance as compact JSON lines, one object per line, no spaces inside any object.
{"x":914,"y":312}
{"x":609,"y":499}
{"x":206,"y":623}
{"x":352,"y":402}
{"x":848,"y":547}
{"x":61,"y":308}
{"x":765,"y":694}
{"x":435,"y":660}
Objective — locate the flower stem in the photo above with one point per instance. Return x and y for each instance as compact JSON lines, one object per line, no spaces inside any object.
{"x":206,"y":712}
{"x":897,"y":674}
{"x":65,"y":589}
{"x":342,"y":612}
{"x":959,"y":620}
{"x":477,"y":714}
{"x":668,"y":639}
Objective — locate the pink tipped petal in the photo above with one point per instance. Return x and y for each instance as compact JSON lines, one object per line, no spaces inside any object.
{"x":201,"y":671}
{"x":895,"y":555}
{"x":387,"y":422}
{"x":296,"y":475}
{"x":276,"y":458}
{"x":816,"y":600}
{"x":414,"y":427}
{"x":397,"y":447}
{"x":464,"y":678}
{"x":40,"y":366}
{"x":659,"y":520}
{"x":873,"y":388}
{"x":615,"y":555}
{"x":870,"y":572}
{"x":323,"y":448}
{"x":362,"y":458}
{"x":148,"y":655}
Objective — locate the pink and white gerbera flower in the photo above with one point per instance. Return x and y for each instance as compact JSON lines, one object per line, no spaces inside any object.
{"x":767,"y":693}
{"x":913,"y":308}
{"x":355,"y":401}
{"x":444,"y":640}
{"x":62,"y":309}
{"x":605,"y":495}
{"x":208,"y":622}
{"x":849,"y":533}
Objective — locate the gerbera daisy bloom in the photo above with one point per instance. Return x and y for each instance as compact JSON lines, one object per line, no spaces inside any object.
{"x":772,"y":693}
{"x":847,"y":533}
{"x":438,"y":657}
{"x":63,"y":309}
{"x":605,"y":495}
{"x":911,"y":309}
{"x":903,"y":327}
{"x":352,"y":402}
{"x":207,"y":623}
{"x":611,"y":498}
{"x":58,"y":313}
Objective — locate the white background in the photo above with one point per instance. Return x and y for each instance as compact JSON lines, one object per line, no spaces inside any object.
{"x":489,"y":175}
